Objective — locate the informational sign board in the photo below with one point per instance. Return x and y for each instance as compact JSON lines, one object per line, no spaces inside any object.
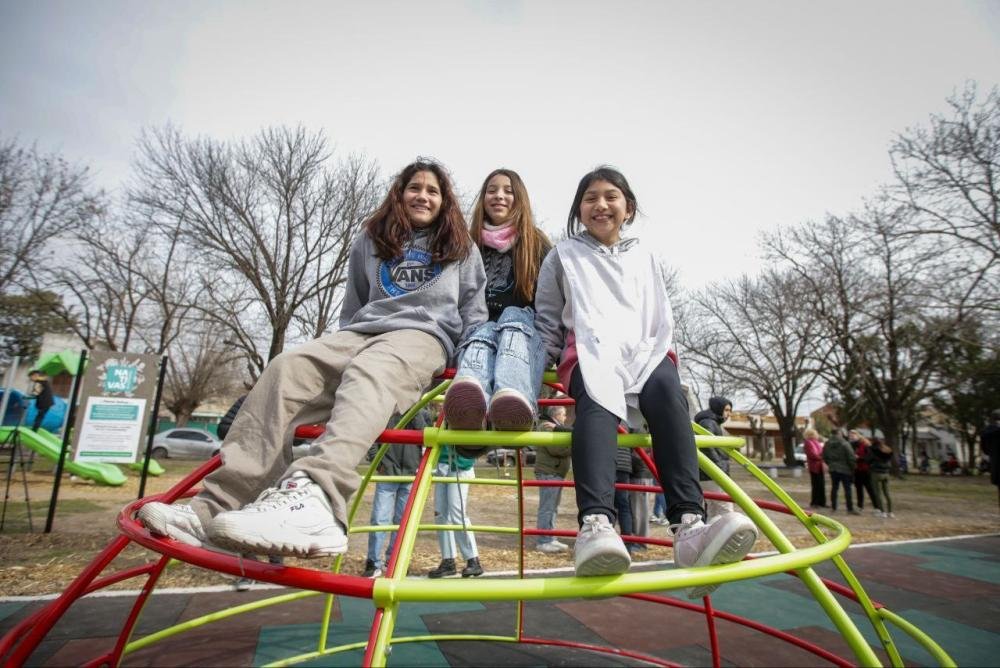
{"x":116,"y":395}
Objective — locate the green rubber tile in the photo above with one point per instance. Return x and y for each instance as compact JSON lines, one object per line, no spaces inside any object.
{"x":757,"y":600}
{"x":9,"y":608}
{"x":281,"y":642}
{"x":967,"y":645}
{"x":940,"y":550}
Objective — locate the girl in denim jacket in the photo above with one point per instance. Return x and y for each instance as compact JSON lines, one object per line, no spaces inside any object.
{"x":500,"y":370}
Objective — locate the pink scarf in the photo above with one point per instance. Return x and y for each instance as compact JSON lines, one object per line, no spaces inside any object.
{"x":499,"y":237}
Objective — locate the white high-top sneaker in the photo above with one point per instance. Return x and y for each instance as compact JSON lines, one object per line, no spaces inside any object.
{"x":599,"y":550}
{"x":728,"y":538}
{"x":293,"y":519}
{"x":178,"y":522}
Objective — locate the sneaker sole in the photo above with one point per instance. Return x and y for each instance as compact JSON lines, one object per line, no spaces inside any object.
{"x":465,"y":406}
{"x":603,"y":564}
{"x":733,"y":550}
{"x":256,"y":544}
{"x":510,"y":412}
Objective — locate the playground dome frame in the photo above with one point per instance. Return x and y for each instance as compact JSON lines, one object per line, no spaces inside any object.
{"x":387,"y":593}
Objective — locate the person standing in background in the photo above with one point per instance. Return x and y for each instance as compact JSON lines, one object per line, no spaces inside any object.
{"x":839,"y":458}
{"x":641,"y":475}
{"x":41,"y":390}
{"x":989,"y":441}
{"x":718,"y":411}
{"x":551,"y":464}
{"x":814,"y":462}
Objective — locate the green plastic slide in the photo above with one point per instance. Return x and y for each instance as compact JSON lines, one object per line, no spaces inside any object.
{"x":154,"y":467}
{"x":49,"y":445}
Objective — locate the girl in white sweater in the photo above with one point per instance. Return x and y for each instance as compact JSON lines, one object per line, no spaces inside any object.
{"x":604,"y":314}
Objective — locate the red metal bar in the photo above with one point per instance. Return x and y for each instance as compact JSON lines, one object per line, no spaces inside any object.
{"x":133,"y":615}
{"x":372,"y":637}
{"x":300,"y":578}
{"x":655,"y":660}
{"x":713,"y":637}
{"x":749,"y":623}
{"x":120,"y":576}
{"x":55,"y":610}
{"x":390,"y":568}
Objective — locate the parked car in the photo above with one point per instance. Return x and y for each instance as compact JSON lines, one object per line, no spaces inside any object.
{"x":800,"y":454}
{"x":185,"y":443}
{"x":507,"y":456}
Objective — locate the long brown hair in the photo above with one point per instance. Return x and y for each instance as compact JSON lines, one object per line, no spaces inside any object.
{"x":390,"y":228}
{"x":532,"y":243}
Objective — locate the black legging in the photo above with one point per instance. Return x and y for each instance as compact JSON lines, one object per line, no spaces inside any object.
{"x":595,"y":437}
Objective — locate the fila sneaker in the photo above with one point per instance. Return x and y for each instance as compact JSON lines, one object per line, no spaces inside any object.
{"x":599,"y":549}
{"x":465,"y":404}
{"x":178,"y":522}
{"x":726,"y":539}
{"x":293,"y":519}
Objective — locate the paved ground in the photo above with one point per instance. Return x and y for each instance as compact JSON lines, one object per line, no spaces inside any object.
{"x":948,"y":588}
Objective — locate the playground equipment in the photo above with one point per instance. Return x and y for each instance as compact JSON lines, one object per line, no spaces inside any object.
{"x":389,"y":592}
{"x":49,"y":445}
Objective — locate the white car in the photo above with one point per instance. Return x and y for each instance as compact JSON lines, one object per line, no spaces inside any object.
{"x":800,"y":453}
{"x":185,"y":443}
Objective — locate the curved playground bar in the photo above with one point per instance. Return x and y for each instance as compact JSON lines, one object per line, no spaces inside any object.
{"x":387,"y":593}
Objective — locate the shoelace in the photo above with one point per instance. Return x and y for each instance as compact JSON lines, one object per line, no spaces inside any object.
{"x":275,"y":497}
{"x":675,"y":529}
{"x":594,"y":526}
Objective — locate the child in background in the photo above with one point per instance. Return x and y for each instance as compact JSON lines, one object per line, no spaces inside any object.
{"x":415,"y":289}
{"x":502,"y":362}
{"x":604,"y":313}
{"x":451,"y":506}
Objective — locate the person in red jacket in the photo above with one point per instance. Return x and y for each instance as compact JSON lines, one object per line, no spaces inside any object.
{"x":862,"y":471}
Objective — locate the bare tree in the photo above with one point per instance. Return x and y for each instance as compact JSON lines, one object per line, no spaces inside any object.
{"x":200,"y":366}
{"x":104,"y":286}
{"x":949,"y":175}
{"x":270,"y":218}
{"x":888,"y":302}
{"x":831,"y":262}
{"x":42,"y":197}
{"x":751,"y":331}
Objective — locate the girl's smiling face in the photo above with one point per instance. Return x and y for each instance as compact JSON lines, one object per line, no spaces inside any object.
{"x":422,"y":199}
{"x":499,"y":199}
{"x":603,"y":211}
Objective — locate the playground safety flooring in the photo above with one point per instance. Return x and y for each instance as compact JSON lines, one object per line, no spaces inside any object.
{"x":949,"y":588}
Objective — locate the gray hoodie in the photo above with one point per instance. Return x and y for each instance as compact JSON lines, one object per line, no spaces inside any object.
{"x":446,"y":300}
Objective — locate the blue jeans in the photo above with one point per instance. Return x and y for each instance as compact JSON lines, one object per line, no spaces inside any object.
{"x":451,"y":506}
{"x":660,"y":506}
{"x":548,"y":506}
{"x":389,"y":503}
{"x":506,"y":354}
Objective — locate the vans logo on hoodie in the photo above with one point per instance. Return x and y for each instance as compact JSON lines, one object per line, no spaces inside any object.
{"x":414,"y":271}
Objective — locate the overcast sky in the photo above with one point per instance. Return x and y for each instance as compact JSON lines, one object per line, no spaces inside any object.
{"x":729,"y":118}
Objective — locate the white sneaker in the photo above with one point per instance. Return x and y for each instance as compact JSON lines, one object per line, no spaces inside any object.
{"x":178,"y":522}
{"x":728,"y":538}
{"x":465,"y":404}
{"x":294,"y":519}
{"x":511,"y":411}
{"x":552,"y":547}
{"x":242,"y":584}
{"x":599,"y":549}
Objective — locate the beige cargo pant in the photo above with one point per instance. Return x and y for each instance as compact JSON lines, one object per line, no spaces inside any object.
{"x":352,"y":382}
